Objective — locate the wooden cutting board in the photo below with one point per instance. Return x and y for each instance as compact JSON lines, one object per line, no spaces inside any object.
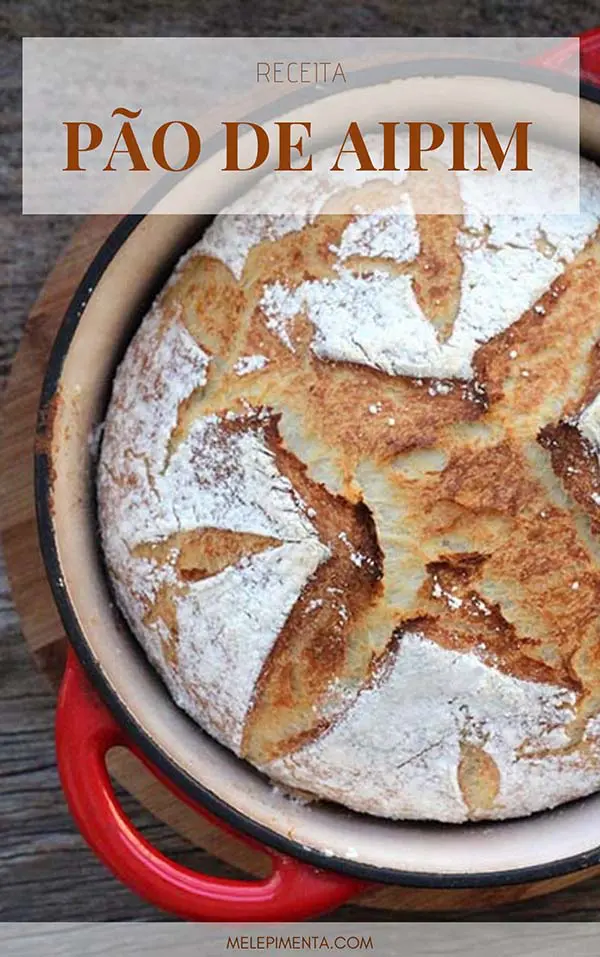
{"x":43,"y":630}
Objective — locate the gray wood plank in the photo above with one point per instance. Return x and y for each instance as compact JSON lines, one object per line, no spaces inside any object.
{"x":46,"y":871}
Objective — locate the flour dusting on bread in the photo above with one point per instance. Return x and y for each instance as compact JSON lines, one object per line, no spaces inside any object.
{"x":349,"y":493}
{"x":403,"y":739}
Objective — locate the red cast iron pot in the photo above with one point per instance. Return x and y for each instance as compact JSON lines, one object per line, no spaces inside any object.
{"x":322,"y":855}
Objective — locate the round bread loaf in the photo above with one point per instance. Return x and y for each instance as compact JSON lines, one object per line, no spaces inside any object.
{"x":349,"y":496}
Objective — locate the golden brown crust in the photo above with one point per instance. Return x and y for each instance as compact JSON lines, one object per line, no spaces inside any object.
{"x":316,"y":648}
{"x":575,"y":463}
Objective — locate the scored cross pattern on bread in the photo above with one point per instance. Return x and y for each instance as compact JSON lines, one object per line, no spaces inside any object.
{"x":349,"y":494}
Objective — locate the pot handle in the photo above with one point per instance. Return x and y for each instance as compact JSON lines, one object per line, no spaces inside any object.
{"x":561,"y":57}
{"x":85,"y":732}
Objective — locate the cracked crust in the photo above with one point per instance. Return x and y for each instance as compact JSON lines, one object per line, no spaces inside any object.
{"x":349,"y":494}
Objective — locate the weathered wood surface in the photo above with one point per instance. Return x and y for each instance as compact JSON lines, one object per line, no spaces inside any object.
{"x":46,"y":871}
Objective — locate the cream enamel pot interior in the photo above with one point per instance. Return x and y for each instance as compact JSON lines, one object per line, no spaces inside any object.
{"x":348,"y":848}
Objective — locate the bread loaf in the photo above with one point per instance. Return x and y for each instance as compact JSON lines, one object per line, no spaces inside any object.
{"x":349,"y":496}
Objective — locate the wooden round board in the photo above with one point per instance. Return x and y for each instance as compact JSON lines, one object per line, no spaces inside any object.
{"x":42,"y":628}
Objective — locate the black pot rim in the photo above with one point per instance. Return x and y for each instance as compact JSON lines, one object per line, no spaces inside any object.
{"x":140,"y":738}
